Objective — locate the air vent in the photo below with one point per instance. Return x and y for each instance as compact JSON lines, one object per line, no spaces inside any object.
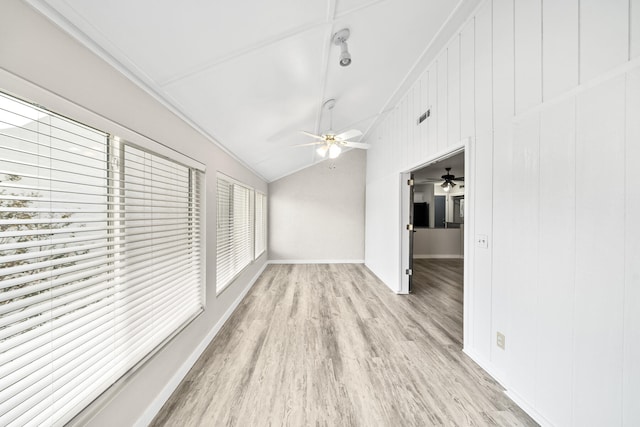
{"x":424,"y":116}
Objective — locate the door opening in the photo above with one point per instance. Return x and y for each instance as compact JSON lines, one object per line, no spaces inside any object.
{"x":434,"y":211}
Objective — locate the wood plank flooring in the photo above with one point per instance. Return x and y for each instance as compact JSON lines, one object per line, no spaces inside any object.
{"x":330,"y":345}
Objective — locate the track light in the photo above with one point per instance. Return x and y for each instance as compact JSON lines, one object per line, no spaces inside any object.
{"x":340,"y":39}
{"x":345,"y":56}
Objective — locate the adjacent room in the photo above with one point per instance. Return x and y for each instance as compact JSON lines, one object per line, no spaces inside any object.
{"x":320,"y":212}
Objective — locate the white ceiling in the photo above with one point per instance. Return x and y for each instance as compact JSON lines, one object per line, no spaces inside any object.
{"x":251,"y":74}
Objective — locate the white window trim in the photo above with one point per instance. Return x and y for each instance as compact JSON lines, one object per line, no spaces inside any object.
{"x":254,"y":257}
{"x":265,"y":224}
{"x":158,"y":149}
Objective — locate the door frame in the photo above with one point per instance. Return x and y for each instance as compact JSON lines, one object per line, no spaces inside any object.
{"x":406,"y":238}
{"x":405,"y":211}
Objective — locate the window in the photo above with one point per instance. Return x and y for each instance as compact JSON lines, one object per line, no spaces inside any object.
{"x":261,"y":225}
{"x":234,"y":230}
{"x":100,"y":260}
{"x":241,"y":228}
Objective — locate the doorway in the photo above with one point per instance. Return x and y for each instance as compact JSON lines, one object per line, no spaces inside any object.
{"x":434,"y":211}
{"x":435,"y":208}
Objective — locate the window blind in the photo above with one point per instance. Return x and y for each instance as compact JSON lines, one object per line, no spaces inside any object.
{"x":234,"y":230}
{"x":100,"y":261}
{"x":261,"y":224}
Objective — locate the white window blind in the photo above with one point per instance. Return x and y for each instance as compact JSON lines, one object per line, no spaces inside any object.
{"x":100,"y":261}
{"x":234,"y":230}
{"x":260,"y":224}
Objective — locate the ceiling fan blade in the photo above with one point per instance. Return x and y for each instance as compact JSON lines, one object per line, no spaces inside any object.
{"x":353,"y":133}
{"x":362,"y":145}
{"x":460,"y":178}
{"x":312,"y":135}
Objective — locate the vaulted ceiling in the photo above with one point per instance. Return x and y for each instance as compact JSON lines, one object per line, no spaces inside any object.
{"x":251,"y":74}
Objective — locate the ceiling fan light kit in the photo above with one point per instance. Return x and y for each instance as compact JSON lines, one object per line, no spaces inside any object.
{"x":331,"y":142}
{"x":322,"y":151}
{"x":334,"y":151}
{"x":447,"y":186}
{"x":340,"y":39}
{"x":448,"y":183}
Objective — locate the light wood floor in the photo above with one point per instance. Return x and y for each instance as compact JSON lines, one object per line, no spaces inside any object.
{"x":330,"y":345}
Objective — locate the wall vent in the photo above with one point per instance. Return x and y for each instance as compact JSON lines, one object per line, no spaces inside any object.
{"x":424,"y":116}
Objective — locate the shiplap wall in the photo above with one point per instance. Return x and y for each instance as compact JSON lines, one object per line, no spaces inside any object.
{"x":549,"y":92}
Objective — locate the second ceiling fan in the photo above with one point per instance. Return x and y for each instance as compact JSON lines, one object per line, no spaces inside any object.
{"x":448,"y":183}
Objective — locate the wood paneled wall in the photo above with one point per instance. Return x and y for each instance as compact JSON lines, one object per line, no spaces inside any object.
{"x":549,"y":93}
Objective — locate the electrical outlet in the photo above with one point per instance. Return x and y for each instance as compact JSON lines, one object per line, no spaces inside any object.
{"x":482,"y":241}
{"x":500,"y":340}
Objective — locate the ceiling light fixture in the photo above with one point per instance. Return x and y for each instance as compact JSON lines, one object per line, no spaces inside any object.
{"x":331,"y":142}
{"x":322,"y":151}
{"x":448,"y":185}
{"x":340,"y":39}
{"x":332,"y":148}
{"x":334,"y":151}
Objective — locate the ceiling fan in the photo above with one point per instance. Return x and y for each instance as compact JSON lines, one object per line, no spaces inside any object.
{"x":448,"y":183}
{"x":332,"y":143}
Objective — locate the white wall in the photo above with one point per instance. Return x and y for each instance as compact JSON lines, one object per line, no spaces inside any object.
{"x":317,"y":214}
{"x":43,"y":64}
{"x":550,"y":95}
{"x":438,"y":243}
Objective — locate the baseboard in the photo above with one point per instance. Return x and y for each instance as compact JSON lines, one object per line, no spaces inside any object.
{"x":438,"y":256}
{"x":315,"y":261}
{"x":486,"y":366}
{"x":518,"y":400}
{"x":394,"y":290}
{"x":153,"y":409}
{"x":522,"y":403}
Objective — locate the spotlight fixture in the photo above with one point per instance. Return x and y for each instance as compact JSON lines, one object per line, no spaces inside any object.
{"x":340,"y":39}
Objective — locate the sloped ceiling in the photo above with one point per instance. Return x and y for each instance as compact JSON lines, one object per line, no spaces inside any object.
{"x":251,"y":74}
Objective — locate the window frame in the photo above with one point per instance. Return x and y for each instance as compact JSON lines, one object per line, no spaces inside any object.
{"x":251,"y":215}
{"x":196,"y":183}
{"x":258,"y":252}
